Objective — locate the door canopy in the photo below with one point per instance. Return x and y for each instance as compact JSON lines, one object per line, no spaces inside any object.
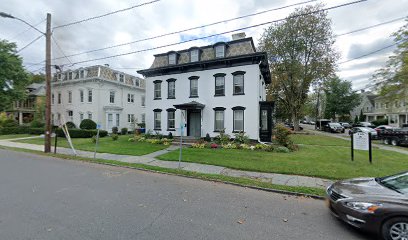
{"x":190,"y":105}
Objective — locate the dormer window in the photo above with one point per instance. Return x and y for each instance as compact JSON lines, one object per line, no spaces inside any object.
{"x":194,"y":55}
{"x":121,"y":77}
{"x":70,"y":75}
{"x":81,"y":74}
{"x":172,"y":59}
{"x":220,"y":51}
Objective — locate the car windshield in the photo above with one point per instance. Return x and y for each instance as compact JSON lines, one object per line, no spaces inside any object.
{"x":397,"y":183}
{"x":334,"y":124}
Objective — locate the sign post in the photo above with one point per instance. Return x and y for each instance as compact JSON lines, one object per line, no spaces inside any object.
{"x":181,"y":137}
{"x":361,"y":141}
{"x":98,"y":126}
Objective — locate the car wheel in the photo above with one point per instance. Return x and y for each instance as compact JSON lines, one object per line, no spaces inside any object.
{"x":386,"y":141}
{"x":395,"y":229}
{"x":394,"y":142}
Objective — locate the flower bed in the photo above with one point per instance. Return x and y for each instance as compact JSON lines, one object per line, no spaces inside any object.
{"x":153,"y":139}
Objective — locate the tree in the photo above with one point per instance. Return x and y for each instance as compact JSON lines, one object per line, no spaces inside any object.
{"x":362,"y":117}
{"x":340,"y":98}
{"x":13,"y":77}
{"x":300,"y":52}
{"x":36,"y":78}
{"x":392,"y":80}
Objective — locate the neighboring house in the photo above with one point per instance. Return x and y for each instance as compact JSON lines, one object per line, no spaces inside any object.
{"x":24,"y":110}
{"x":210,"y":89}
{"x":366,"y":106}
{"x":396,"y":111}
{"x":108,"y":97}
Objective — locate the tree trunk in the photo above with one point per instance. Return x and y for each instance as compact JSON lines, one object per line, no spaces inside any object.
{"x":295,"y":119}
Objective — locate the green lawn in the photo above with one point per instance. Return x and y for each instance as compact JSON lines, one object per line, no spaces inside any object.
{"x":11,"y":136}
{"x":106,"y":145}
{"x":326,"y":161}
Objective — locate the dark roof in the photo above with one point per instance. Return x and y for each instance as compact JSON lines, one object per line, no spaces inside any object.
{"x":190,"y":105}
{"x":371,"y":98}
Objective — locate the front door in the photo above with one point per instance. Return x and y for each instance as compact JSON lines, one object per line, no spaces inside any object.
{"x":194,"y":123}
{"x":265,"y":121}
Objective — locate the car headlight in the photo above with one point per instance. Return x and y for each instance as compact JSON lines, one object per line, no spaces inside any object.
{"x":364,"y":206}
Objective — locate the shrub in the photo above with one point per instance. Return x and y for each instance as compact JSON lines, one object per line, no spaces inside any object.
{"x":10,"y":123}
{"x":81,"y":133}
{"x":158,"y":135}
{"x":36,"y":131}
{"x":170,"y":135}
{"x":114,"y":136}
{"x":198,"y":145}
{"x":230,"y":146}
{"x":70,"y":125}
{"x":261,"y":146}
{"x":281,"y":149}
{"x":123,"y":131}
{"x":282,"y":135}
{"x":379,"y":122}
{"x":241,"y":138}
{"x":37,"y":124}
{"x":131,"y":140}
{"x":207,"y":138}
{"x":115,"y":130}
{"x":87,"y":124}
{"x":223,"y":138}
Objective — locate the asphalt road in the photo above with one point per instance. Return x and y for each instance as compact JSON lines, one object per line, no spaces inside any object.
{"x":48,"y":198}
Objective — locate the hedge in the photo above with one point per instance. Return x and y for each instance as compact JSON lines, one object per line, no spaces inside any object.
{"x":21,"y":130}
{"x":81,"y":133}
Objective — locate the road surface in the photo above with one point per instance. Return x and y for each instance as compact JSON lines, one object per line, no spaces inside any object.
{"x":49,"y":198}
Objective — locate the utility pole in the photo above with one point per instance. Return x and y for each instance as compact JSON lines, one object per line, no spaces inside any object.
{"x":48,"y":130}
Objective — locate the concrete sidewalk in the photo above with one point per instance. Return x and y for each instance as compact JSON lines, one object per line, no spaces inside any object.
{"x":149,"y":159}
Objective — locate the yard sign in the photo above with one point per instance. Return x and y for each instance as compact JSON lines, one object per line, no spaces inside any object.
{"x":361,"y":141}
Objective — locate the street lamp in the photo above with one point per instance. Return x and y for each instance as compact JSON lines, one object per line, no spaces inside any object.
{"x":47,"y":142}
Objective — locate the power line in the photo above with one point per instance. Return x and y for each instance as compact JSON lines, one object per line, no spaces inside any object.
{"x":188,"y":29}
{"x":33,"y":41}
{"x":26,"y":30}
{"x":370,"y":53}
{"x":56,"y":43}
{"x":372,"y":26}
{"x":217,"y":34}
{"x":106,"y":14}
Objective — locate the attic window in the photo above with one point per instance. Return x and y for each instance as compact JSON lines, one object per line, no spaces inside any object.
{"x":194,"y":55}
{"x":81,"y":74}
{"x":70,"y":75}
{"x":121,"y":77}
{"x":220,"y":51}
{"x":172,"y":59}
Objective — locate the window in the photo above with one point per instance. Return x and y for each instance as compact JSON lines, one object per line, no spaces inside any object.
{"x":157,"y":119}
{"x":193,"y":86}
{"x":52,"y":118}
{"x":143,"y":118}
{"x":219,"y":84}
{"x":143,"y":101}
{"x":70,"y":75}
{"x":110,"y":120}
{"x":194,"y":55}
{"x":218,"y":119}
{"x":81,"y":95}
{"x":131,"y":118}
{"x":137,"y":82}
{"x":172,"y":58}
{"x":157,"y":89}
{"x":171,"y":88}
{"x":69,"y":97}
{"x":238,"y":83}
{"x":238,"y":119}
{"x":117,"y":119}
{"x":59,"y":76}
{"x":59,"y":118}
{"x":52,"y":98}
{"x":131,"y":98}
{"x":112,"y":97}
{"x":70,"y":113}
{"x":219,"y":51}
{"x":81,"y":117}
{"x":121,"y":78}
{"x":90,"y":116}
{"x":59,"y":98}
{"x":81,"y":74}
{"x":171,"y":122}
{"x":90,"y":95}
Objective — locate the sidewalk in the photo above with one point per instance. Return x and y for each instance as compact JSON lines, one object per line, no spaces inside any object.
{"x":149,"y":159}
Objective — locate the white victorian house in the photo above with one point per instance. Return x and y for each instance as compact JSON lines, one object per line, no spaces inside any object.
{"x":108,"y":97}
{"x":209,"y":89}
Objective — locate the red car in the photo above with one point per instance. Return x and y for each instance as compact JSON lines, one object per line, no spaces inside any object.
{"x":383,"y":127}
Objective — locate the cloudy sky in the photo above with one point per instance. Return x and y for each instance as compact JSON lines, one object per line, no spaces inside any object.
{"x":166,"y":16}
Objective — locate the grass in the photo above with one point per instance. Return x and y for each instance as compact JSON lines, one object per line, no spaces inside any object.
{"x":11,"y":136}
{"x":319,"y":156}
{"x":106,"y":145}
{"x":211,"y":177}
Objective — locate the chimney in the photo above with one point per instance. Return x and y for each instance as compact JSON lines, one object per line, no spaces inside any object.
{"x":237,"y":36}
{"x":362,"y":90}
{"x":106,"y":65}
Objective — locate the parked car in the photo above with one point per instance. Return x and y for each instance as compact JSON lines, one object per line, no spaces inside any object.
{"x":322,"y":123}
{"x":345,"y":124}
{"x":312,"y":122}
{"x":292,"y":127}
{"x":376,"y":205}
{"x":365,"y":124}
{"x":334,"y":128}
{"x":374,"y":134}
{"x":383,"y":127}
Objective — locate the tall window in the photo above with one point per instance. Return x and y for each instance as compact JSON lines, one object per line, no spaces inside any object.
{"x":70,"y":75}
{"x":82,"y":74}
{"x":90,"y":116}
{"x":218,"y":119}
{"x":70,"y":113}
{"x":52,"y":119}
{"x":121,"y":77}
{"x":238,"y":83}
{"x":193,"y":86}
{"x":171,"y":88}
{"x":238,"y":117}
{"x":117,"y":119}
{"x":131,"y":118}
{"x":52,"y":98}
{"x":81,"y":95}
{"x":81,"y":117}
{"x":143,"y":100}
{"x":157,"y":119}
{"x":171,"y":122}
{"x":90,"y":95}
{"x":69,"y":97}
{"x":131,"y":98}
{"x":110,"y":120}
{"x":172,"y":58}
{"x":157,"y":89}
{"x":59,"y":98}
{"x":112,"y":97}
{"x":143,"y":118}
{"x":220,"y":51}
{"x":194,"y":55}
{"x":219,"y":84}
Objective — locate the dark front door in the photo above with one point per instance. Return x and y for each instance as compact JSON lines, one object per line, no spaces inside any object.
{"x":265,"y":121}
{"x":194,"y":123}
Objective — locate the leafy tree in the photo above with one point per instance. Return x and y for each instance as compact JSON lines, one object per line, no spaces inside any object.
{"x":356,"y":120}
{"x":300,"y":51}
{"x":362,"y":117}
{"x":13,"y":77}
{"x":392,"y":80}
{"x":340,"y":98}
{"x":37,"y":78}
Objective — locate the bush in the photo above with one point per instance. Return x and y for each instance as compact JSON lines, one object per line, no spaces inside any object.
{"x":142,"y":125}
{"x":70,"y":125}
{"x":37,"y":124}
{"x":87,"y":124}
{"x":198,"y":145}
{"x":115,"y":130}
{"x":282,"y":150}
{"x":36,"y":131}
{"x":81,"y":133}
{"x":123,"y":131}
{"x":282,"y":135}
{"x":213,"y":145}
{"x":93,"y":139}
{"x":131,"y":140}
{"x":379,"y":122}
{"x":241,"y":138}
{"x":207,"y":138}
{"x":114,"y":136}
{"x":170,"y":135}
{"x":222,"y":138}
{"x":10,"y":123}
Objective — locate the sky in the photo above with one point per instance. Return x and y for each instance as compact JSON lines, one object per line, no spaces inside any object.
{"x":160,"y":17}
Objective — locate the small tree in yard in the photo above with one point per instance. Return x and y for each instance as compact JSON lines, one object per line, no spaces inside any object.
{"x":356,"y":119}
{"x":282,"y":135}
{"x":87,"y":124}
{"x":362,"y":117}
